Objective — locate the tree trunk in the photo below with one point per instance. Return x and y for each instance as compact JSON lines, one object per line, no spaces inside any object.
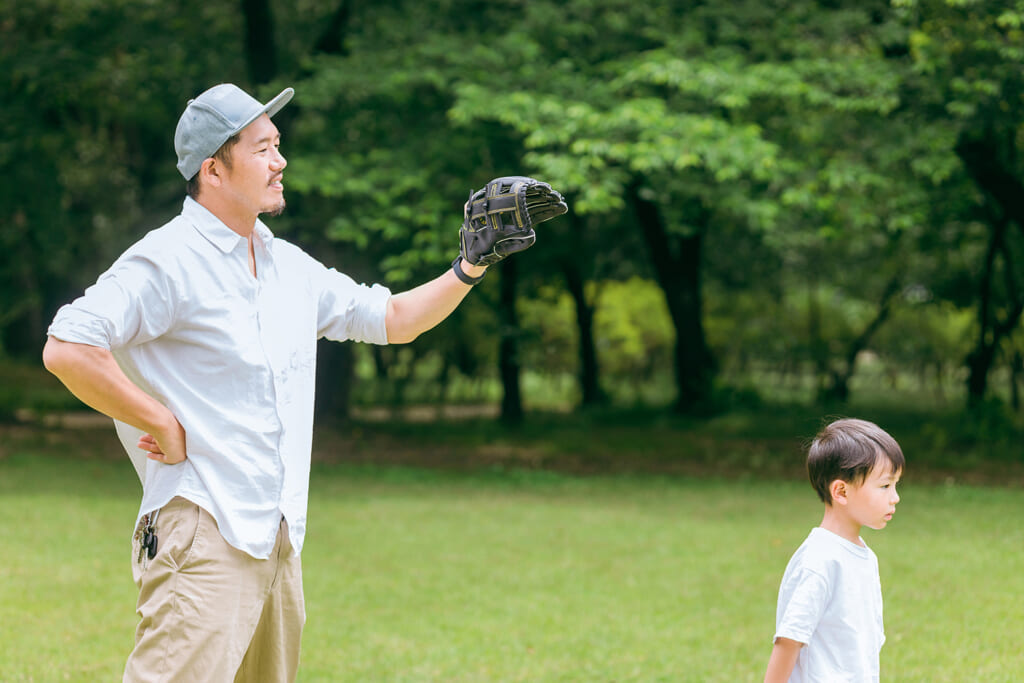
{"x":816,"y":345}
{"x":677,"y":261}
{"x":335,"y":373}
{"x":508,"y":346}
{"x":839,"y":390}
{"x":1016,"y":376}
{"x":979,"y":362}
{"x":992,"y":331}
{"x":983,"y":161}
{"x":260,"y":50}
{"x":332,"y":40}
{"x":589,"y":373}
{"x":335,"y":370}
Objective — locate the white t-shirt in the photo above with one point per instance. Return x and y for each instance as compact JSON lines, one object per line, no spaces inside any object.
{"x":232,"y":356}
{"x":831,"y":600}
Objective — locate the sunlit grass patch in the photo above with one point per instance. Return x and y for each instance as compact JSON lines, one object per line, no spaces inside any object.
{"x":432,"y":575}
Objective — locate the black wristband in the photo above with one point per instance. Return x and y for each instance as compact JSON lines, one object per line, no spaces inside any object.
{"x":468,"y":279}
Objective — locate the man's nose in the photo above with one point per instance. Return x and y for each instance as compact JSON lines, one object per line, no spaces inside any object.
{"x":279,"y":161}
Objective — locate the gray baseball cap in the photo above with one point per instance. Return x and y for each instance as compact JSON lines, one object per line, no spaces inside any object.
{"x":213,"y":117}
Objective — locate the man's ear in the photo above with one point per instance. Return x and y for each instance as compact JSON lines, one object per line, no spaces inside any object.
{"x":210,"y":170}
{"x":838,"y":489}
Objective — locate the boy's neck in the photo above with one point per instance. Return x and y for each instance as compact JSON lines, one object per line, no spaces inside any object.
{"x":841,"y":525}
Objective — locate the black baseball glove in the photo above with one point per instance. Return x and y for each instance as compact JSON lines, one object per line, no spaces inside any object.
{"x":499,"y":218}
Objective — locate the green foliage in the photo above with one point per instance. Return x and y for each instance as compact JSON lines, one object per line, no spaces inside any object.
{"x":549,"y":316}
{"x":632,"y":328}
{"x":970,"y":53}
{"x":634,"y":331}
{"x":819,"y":141}
{"x":927,"y":336}
{"x":28,"y":390}
{"x":90,"y":104}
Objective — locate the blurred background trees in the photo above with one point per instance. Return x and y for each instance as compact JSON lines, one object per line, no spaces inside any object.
{"x":800,"y":200}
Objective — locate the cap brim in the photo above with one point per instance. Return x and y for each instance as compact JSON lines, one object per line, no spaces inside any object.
{"x":275,"y":105}
{"x":270,"y":108}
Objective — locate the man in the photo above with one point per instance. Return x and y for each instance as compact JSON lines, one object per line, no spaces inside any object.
{"x":202,"y":338}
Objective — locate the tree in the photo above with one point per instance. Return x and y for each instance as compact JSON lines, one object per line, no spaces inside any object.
{"x":830,"y":165}
{"x":89,"y":105}
{"x":711,"y":120}
{"x":385,"y":155}
{"x":968,"y":69}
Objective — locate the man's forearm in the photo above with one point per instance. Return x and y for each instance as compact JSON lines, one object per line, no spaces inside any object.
{"x":92,"y":374}
{"x":415,"y":311}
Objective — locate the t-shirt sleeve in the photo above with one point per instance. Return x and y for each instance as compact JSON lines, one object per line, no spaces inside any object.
{"x":131,"y":303}
{"x":802,"y":600}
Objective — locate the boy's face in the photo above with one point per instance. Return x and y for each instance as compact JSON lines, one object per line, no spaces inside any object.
{"x":872,"y":503}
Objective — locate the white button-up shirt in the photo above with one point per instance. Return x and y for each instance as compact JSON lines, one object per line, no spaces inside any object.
{"x":232,"y":356}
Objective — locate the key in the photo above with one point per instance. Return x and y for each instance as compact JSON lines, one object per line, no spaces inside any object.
{"x":146,"y":536}
{"x":143,"y":535}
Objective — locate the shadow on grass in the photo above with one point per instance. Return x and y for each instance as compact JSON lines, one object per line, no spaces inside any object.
{"x":767,"y":443}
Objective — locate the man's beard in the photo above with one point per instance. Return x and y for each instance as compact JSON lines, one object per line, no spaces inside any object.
{"x":276,"y":210}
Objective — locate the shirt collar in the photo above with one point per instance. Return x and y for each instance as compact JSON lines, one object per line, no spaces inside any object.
{"x":214,"y":230}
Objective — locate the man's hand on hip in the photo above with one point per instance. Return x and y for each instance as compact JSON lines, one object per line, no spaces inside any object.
{"x":167,"y":446}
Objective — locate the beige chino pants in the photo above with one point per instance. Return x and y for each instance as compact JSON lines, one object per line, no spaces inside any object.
{"x":210,"y":612}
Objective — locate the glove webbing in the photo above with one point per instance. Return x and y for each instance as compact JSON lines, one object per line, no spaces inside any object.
{"x":496,"y":204}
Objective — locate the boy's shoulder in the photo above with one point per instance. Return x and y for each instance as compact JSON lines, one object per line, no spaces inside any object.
{"x":824,"y":552}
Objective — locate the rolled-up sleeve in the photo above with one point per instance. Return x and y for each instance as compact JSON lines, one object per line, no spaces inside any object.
{"x":351,"y":311}
{"x":133,"y":302}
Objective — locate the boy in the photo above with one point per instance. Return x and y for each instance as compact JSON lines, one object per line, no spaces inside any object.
{"x":829,"y":616}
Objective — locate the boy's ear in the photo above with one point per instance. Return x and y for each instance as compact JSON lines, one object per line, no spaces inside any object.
{"x":838,"y":490}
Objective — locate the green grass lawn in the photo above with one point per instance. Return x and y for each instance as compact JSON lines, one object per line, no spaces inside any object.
{"x":416,"y":574}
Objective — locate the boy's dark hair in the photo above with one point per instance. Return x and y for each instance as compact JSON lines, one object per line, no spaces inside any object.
{"x":848,"y":449}
{"x":223,"y":155}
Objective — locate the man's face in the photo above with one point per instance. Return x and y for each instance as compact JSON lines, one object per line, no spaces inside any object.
{"x":255,"y":179}
{"x":872,"y":503}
